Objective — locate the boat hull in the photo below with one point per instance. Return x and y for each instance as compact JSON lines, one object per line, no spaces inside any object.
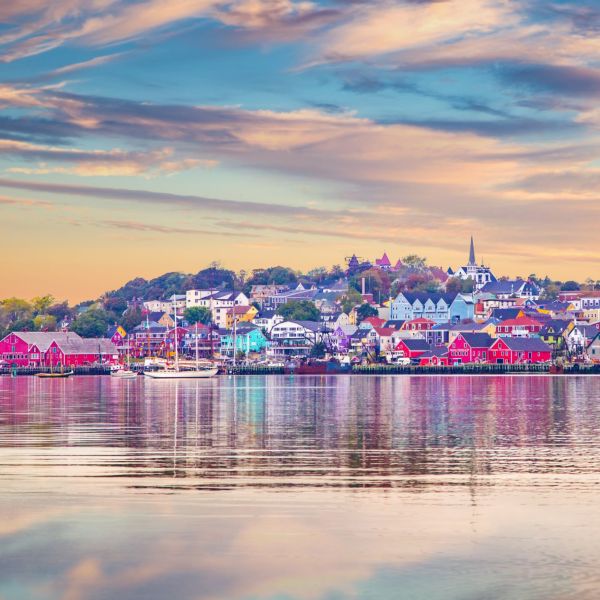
{"x":55,"y":375}
{"x":203,"y":374}
{"x":124,"y":375}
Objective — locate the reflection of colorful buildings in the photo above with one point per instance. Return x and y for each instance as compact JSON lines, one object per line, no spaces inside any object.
{"x":326,"y":431}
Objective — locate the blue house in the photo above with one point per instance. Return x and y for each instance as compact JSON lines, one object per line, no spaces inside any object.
{"x":247,"y":339}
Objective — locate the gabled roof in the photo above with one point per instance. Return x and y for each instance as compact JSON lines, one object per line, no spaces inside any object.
{"x":520,"y":322}
{"x":79,"y":345}
{"x":518,"y":344}
{"x":394,"y":323}
{"x":43,"y":339}
{"x":415,"y":343}
{"x":374,"y":321}
{"x":506,"y":313}
{"x":412,"y":297}
{"x":384,"y":331}
{"x":438,"y":351}
{"x":384,"y":261}
{"x":477,"y":340}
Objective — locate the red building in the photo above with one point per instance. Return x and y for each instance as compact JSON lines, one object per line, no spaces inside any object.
{"x":412,"y":348}
{"x":76,"y":352}
{"x":469,"y":348}
{"x":436,"y":357}
{"x":519,"y":327}
{"x":512,"y":351}
{"x":45,"y":348}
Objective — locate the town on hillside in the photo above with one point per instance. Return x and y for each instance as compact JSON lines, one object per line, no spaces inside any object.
{"x":365,"y":313}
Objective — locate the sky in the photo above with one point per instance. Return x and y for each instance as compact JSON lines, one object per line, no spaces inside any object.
{"x":144,"y":136}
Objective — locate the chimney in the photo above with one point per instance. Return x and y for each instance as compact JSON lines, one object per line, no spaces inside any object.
{"x":363,"y":286}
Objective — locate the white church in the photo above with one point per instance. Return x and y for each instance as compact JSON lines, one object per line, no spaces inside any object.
{"x":480,"y":274}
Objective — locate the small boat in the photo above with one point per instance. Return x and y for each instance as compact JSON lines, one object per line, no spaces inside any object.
{"x":124,"y":374}
{"x":62,"y":374}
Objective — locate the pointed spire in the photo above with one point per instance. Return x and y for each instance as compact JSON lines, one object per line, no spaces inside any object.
{"x":472,"y":253}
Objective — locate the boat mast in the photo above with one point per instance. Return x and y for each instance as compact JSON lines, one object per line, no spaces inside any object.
{"x":176,"y":348}
{"x":234,"y":335}
{"x":197,"y":363}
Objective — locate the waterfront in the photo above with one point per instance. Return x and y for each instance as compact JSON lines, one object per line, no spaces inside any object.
{"x":308,"y":487}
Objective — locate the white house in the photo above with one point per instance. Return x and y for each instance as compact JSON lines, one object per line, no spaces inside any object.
{"x":294,"y":338}
{"x":219,"y":302}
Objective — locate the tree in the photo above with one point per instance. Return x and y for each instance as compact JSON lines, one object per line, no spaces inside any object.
{"x":44,"y":322}
{"x":131,"y":318}
{"x":364,"y":311}
{"x":350,"y":299}
{"x":412,"y":261}
{"x":377,"y":282}
{"x":17,"y":308}
{"x":569,"y":286}
{"x":197,"y":314}
{"x":455,"y":285}
{"x":60,"y":310}
{"x":41,"y":304}
{"x":299,"y":310}
{"x":91,"y":323}
{"x":318,"y":350}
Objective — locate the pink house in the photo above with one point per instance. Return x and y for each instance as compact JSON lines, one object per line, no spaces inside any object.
{"x":512,"y":351}
{"x":77,"y":352}
{"x":51,"y":348}
{"x":28,"y":348}
{"x":469,"y":348}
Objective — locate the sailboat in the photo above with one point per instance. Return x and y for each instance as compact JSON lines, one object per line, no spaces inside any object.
{"x":125,"y":373}
{"x":197,"y":372}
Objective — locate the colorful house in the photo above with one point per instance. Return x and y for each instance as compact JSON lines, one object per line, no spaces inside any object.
{"x":76,"y":352}
{"x":29,"y":348}
{"x":469,"y":348}
{"x":248,"y":339}
{"x":412,"y":348}
{"x":512,"y":351}
{"x":436,"y":357}
{"x":520,"y":327}
{"x":241,"y":314}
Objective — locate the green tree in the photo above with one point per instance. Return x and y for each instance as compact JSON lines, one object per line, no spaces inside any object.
{"x":350,"y":299}
{"x":197,"y":314}
{"x":569,"y":286}
{"x":44,"y":322}
{"x":17,"y":308}
{"x":299,"y":310}
{"x":415,"y":262}
{"x":131,"y":318}
{"x":91,"y":323}
{"x":41,"y":304}
{"x":365,"y":311}
{"x":318,"y":350}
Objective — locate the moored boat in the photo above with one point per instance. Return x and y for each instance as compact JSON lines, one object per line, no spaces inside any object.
{"x":59,"y":375}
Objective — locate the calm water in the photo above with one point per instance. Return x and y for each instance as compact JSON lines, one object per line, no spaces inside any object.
{"x":311,"y":488}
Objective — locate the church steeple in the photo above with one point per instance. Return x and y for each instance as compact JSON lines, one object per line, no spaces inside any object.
{"x":472,"y":253}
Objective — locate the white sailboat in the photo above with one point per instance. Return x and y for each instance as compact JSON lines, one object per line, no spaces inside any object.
{"x":197,"y":372}
{"x":121,"y":373}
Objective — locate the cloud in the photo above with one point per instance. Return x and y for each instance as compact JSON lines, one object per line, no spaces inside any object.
{"x":559,"y":79}
{"x":97,"y":162}
{"x":167,"y":199}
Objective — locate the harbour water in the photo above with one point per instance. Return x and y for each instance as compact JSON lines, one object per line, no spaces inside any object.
{"x":311,"y":488}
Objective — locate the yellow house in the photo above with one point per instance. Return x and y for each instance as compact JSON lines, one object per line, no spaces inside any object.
{"x":242,"y":314}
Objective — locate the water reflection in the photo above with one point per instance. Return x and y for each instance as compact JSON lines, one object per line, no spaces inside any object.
{"x":313,"y":487}
{"x":276,"y":431}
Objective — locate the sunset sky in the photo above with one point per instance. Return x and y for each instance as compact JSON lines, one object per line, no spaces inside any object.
{"x":138,"y":137}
